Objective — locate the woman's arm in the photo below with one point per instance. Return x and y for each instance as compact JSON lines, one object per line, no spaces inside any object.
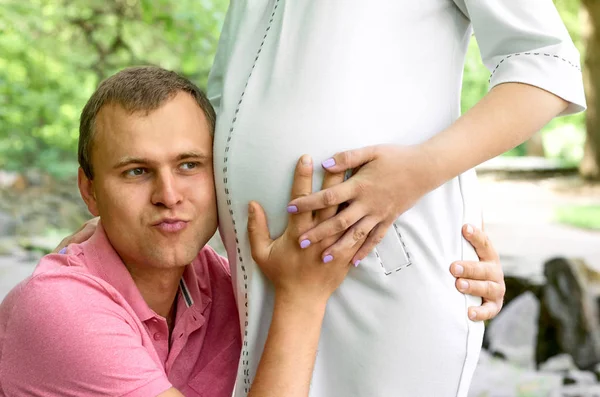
{"x":506,"y":117}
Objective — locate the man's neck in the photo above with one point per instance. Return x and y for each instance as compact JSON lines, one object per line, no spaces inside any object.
{"x":158,"y":288}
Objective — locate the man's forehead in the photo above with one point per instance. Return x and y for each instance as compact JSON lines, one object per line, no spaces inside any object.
{"x":122,"y":136}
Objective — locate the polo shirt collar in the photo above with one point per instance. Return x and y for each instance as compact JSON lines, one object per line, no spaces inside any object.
{"x":104,"y":262}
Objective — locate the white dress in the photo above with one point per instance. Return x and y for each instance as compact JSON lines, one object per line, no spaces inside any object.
{"x":322,"y":76}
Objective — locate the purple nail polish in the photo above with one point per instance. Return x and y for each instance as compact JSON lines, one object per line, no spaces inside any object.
{"x":292,"y":209}
{"x":356,"y":262}
{"x":63,"y":250}
{"x":328,"y":163}
{"x":327,"y":259}
{"x":304,"y":243}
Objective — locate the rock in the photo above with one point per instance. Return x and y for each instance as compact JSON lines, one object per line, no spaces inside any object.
{"x":560,"y":363}
{"x":8,"y":225}
{"x":580,"y":378}
{"x":522,"y":274}
{"x":577,"y":391}
{"x":495,"y":377}
{"x":512,"y":334}
{"x":568,"y":320}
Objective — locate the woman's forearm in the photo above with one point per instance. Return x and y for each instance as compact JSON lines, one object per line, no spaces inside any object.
{"x":506,"y":117}
{"x":286,"y":365}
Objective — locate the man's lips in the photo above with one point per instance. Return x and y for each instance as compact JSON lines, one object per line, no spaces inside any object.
{"x":170,"y":225}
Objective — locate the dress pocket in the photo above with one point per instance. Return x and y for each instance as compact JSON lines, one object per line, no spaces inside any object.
{"x":392,"y":252}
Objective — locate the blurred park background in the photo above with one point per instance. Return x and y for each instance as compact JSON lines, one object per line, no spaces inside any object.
{"x":542,"y":199}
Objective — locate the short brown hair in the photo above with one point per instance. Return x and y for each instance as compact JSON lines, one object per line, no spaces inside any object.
{"x":143,"y":88}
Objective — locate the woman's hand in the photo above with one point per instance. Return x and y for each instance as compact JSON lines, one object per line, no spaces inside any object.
{"x":84,"y":233}
{"x":390,"y":180}
{"x":295,"y":271}
{"x":484,"y":278}
{"x":303,"y":283}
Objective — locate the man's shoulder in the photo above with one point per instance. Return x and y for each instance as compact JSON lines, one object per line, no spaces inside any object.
{"x":60,"y":284}
{"x":59,"y":281}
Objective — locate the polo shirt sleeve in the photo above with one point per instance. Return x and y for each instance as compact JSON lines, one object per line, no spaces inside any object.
{"x":66,"y":336}
{"x":527,"y":42}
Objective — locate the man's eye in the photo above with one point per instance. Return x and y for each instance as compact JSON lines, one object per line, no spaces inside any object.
{"x":135,"y":172}
{"x":189,"y":165}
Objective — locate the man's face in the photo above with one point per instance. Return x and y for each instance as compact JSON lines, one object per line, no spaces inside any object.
{"x":153,"y":182}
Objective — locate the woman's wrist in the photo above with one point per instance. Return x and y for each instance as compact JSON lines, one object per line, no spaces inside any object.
{"x":300,"y":303}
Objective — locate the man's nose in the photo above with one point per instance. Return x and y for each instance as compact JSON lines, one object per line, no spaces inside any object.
{"x":166,"y":192}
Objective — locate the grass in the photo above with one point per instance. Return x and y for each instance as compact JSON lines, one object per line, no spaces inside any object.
{"x":583,"y":216}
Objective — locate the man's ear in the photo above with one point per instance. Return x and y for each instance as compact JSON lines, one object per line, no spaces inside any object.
{"x":86,"y":189}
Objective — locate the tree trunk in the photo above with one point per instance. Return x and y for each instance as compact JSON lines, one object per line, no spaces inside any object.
{"x":590,"y":164}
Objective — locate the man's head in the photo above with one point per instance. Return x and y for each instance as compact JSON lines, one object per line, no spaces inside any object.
{"x":145,"y":151}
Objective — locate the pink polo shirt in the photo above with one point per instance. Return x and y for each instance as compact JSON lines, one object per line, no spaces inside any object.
{"x":80,"y":327}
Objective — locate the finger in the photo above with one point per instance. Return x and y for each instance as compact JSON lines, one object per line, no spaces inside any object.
{"x":488,"y":290}
{"x":336,"y":195}
{"x":480,"y":241}
{"x":476,"y":270}
{"x":352,"y":239}
{"x":349,"y":159}
{"x":329,"y":180}
{"x":60,"y":246}
{"x":338,"y":224}
{"x":85,"y":234}
{"x":486,"y":311}
{"x":370,"y":243}
{"x":258,"y":232}
{"x":301,"y":186}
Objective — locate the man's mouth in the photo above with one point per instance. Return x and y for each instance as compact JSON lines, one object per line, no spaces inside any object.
{"x":170,"y":225}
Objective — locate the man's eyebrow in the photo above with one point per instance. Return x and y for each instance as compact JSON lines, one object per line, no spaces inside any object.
{"x":193,"y":155}
{"x":125,"y":161}
{"x":130,"y":160}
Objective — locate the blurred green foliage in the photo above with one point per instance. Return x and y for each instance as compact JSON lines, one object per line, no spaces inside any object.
{"x":584,"y":216}
{"x":53,"y":53}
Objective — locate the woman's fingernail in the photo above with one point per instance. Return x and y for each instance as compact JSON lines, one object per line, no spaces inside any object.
{"x":472,"y":315}
{"x":458,"y":270}
{"x":469,"y":229}
{"x":327,"y":259}
{"x":63,"y":250}
{"x":306,"y":159}
{"x":463,"y":285}
{"x":304,"y":243}
{"x":292,"y":209}
{"x":328,"y":163}
{"x":356,"y":262}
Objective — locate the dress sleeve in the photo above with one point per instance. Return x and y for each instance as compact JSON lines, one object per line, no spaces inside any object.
{"x":71,"y":339}
{"x":525,"y":41}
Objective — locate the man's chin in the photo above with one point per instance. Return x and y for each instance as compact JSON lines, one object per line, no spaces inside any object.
{"x":171,"y":257}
